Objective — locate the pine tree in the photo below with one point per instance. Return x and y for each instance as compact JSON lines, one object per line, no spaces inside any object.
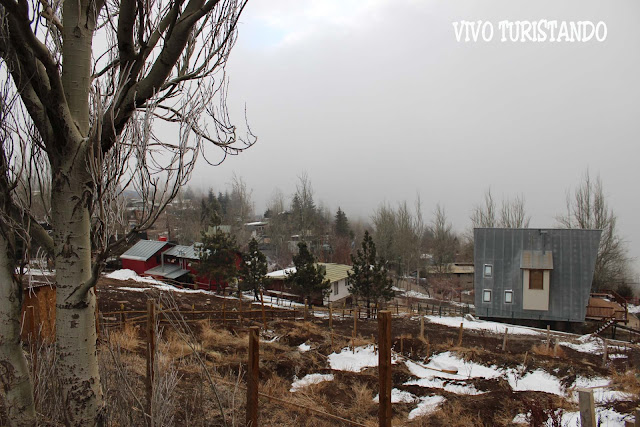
{"x":218,"y":258}
{"x":308,"y":279}
{"x":253,"y":269}
{"x":368,"y":277}
{"x":341,"y":224}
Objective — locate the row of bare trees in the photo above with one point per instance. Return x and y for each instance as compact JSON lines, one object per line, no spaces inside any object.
{"x":403,"y":238}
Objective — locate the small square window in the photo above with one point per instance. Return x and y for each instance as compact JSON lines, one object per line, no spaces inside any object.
{"x":508,"y":297}
{"x":536,"y":279}
{"x":488,"y":270}
{"x":486,"y":295}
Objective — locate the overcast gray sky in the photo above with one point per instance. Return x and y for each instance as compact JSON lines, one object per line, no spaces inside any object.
{"x":377,"y":101}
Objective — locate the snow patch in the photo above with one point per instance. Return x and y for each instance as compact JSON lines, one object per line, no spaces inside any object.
{"x":495,"y":327}
{"x":309,"y":379}
{"x":304,"y":347}
{"x":427,"y":406}
{"x":126,"y":274}
{"x":537,"y":380}
{"x":356,"y":361}
{"x":399,"y":396}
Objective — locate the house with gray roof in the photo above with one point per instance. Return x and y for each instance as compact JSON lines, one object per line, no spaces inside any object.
{"x":144,"y":255}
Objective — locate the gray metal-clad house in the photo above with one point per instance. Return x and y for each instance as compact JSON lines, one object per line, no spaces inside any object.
{"x":534,"y":274}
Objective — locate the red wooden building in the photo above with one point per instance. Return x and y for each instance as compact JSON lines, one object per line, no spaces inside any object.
{"x":144,"y":255}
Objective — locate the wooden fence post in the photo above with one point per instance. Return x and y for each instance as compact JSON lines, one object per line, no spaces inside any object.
{"x":587,"y":408}
{"x":253,"y":371}
{"x":330,"y":317}
{"x":122,"y":318}
{"x":504,"y":340}
{"x":264,"y":316}
{"x":422,"y":328}
{"x":151,"y":353}
{"x":224,"y":310}
{"x":355,"y":324}
{"x":384,"y":368}
{"x":306,"y":310}
{"x":460,"y":334}
{"x":548,"y":338}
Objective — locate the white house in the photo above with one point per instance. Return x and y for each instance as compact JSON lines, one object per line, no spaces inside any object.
{"x":337,"y":274}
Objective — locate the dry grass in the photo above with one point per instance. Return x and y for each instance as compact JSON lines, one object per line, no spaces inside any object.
{"x":187,"y":384}
{"x":216,"y":338}
{"x":176,"y":346}
{"x":451,"y":414}
{"x":629,"y":381}
{"x":126,"y":338}
{"x":551,"y":351}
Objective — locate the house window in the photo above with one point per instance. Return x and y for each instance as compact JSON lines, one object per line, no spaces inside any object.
{"x":536,"y":279}
{"x":486,"y":295}
{"x":335,"y":288}
{"x":508,"y":297}
{"x":488,"y":270}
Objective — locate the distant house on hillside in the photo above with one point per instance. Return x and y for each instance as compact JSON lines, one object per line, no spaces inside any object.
{"x":337,"y":274}
{"x":534,"y":274}
{"x":163,"y":260}
{"x":459,"y":274}
{"x":144,"y":255}
{"x":177,"y":264}
{"x":257,"y":230}
{"x":181,"y":263}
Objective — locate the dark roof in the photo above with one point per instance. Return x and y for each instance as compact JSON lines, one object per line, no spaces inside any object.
{"x":143,"y":250}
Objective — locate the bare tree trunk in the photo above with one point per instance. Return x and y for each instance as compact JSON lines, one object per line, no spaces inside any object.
{"x":16,"y":385}
{"x":75,"y":309}
{"x":72,"y":190}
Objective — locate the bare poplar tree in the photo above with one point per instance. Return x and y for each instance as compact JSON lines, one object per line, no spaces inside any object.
{"x":587,"y":208}
{"x":94,"y":110}
{"x":384,"y":222}
{"x":279,"y":229}
{"x":512,"y":213}
{"x":303,"y":207}
{"x":484,"y":216}
{"x":240,"y":210}
{"x":443,"y":244}
{"x":399,"y":234}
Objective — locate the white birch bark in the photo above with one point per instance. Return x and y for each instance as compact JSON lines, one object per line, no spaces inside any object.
{"x":17,"y":389}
